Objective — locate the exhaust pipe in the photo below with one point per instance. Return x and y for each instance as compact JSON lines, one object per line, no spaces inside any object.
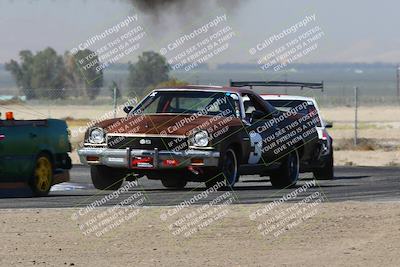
{"x":195,"y":170}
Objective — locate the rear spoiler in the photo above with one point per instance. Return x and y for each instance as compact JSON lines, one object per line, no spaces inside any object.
{"x":278,"y":84}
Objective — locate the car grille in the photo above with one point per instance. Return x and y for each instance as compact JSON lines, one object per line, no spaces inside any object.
{"x":140,"y":142}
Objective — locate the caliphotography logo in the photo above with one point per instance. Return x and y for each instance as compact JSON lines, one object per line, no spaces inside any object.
{"x":199,"y":133}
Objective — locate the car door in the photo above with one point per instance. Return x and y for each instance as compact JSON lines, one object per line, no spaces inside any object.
{"x":261,"y":131}
{"x":298,"y":128}
{"x":17,"y":150}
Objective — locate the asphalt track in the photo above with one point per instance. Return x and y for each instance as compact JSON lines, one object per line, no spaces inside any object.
{"x":350,"y":183}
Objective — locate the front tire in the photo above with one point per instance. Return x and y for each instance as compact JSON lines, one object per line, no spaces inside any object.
{"x":288,"y":173}
{"x":229,"y":171}
{"x":106,"y":178}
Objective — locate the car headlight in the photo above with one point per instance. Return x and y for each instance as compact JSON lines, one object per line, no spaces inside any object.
{"x":97,"y":136}
{"x":200,"y":139}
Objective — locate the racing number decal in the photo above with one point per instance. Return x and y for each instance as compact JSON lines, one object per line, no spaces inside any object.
{"x":256,"y":148}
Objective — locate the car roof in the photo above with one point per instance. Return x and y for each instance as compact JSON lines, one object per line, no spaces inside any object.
{"x":208,"y":88}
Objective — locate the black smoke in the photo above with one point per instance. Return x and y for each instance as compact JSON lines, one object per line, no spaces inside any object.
{"x":182,"y":8}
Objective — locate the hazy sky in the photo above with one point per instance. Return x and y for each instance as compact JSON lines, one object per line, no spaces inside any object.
{"x":355,"y":30}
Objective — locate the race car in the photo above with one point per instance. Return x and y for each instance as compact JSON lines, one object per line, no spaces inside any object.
{"x":34,"y":152}
{"x":322,"y":163}
{"x":202,"y":134}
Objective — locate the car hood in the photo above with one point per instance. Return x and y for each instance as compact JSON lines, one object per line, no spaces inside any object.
{"x":171,"y":124}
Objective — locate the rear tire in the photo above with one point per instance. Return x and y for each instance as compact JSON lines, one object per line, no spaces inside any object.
{"x":325,"y":173}
{"x":288,"y":173}
{"x":106,"y":178}
{"x":42,"y":179}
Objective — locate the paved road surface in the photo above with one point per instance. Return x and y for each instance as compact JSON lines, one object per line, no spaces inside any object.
{"x":351,"y":183}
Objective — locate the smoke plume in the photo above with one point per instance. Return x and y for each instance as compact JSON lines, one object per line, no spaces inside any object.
{"x":182,"y":9}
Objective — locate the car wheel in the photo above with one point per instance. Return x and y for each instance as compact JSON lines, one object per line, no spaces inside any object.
{"x":106,"y":178}
{"x":288,"y":173}
{"x":174,"y":182}
{"x":229,"y":171}
{"x":43,"y":176}
{"x":325,"y":173}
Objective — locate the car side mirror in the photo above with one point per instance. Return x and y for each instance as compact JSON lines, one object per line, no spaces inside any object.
{"x":328,"y":124}
{"x":257,"y":115}
{"x":128,"y":109}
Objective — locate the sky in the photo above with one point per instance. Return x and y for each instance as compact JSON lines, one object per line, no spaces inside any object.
{"x":354,"y":30}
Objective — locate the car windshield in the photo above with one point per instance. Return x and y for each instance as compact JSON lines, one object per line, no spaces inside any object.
{"x":190,"y":102}
{"x":287,"y":104}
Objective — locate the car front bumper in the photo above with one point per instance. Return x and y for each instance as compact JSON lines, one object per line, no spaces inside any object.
{"x":123,"y":158}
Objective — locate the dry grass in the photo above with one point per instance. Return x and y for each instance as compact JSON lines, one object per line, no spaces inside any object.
{"x":13,"y":101}
{"x":366,"y":144}
{"x":363,"y":144}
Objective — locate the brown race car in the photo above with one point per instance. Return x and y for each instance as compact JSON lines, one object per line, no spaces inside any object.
{"x":199,"y":133}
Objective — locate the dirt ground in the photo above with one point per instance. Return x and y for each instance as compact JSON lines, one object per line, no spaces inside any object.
{"x":367,"y":158}
{"x":339,"y":234}
{"x":365,"y":113}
